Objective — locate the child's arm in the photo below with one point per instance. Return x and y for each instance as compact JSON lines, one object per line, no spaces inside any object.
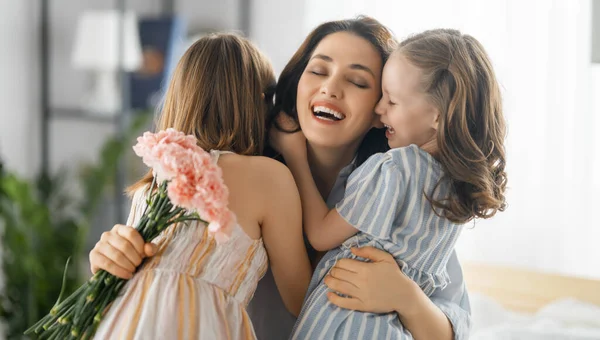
{"x":282,"y":235}
{"x":325,"y":228}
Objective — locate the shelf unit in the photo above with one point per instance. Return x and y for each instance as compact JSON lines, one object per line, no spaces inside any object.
{"x":119,"y":121}
{"x":50,"y":114}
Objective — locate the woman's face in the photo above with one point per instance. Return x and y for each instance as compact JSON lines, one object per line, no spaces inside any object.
{"x":338,"y":91}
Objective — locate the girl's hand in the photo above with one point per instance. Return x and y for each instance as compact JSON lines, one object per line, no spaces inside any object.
{"x":378,"y":286}
{"x":120,"y":251}
{"x":290,"y":145}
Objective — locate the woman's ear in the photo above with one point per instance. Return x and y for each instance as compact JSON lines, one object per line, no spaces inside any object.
{"x":262,"y":95}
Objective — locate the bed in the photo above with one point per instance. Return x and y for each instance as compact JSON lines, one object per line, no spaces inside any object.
{"x":509,"y":303}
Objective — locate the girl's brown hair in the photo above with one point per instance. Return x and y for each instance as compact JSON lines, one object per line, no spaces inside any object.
{"x":287,"y":87}
{"x":460,"y":82}
{"x":221,"y":91}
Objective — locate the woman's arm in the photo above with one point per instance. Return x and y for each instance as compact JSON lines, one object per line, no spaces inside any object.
{"x":380,"y":286}
{"x":282,"y":235}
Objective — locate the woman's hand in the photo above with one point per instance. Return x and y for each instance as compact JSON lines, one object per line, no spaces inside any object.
{"x":120,"y":251}
{"x":291,"y":145}
{"x":378,"y":286}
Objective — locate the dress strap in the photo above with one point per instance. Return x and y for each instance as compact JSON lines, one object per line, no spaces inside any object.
{"x":216,"y":153}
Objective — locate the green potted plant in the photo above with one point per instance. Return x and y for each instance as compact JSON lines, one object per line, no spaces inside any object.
{"x":42,"y":225}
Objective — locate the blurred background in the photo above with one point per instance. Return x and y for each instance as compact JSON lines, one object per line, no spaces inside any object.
{"x":79,"y":79}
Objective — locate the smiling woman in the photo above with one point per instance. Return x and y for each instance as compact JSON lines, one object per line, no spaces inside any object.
{"x":343,"y":76}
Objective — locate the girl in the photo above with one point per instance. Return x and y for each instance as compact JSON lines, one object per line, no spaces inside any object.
{"x":442,"y":111}
{"x":191,"y":288}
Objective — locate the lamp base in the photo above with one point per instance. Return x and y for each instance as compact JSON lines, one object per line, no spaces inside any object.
{"x":104,"y":99}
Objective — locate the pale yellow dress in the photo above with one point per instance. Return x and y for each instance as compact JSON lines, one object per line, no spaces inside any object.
{"x":191,"y":289}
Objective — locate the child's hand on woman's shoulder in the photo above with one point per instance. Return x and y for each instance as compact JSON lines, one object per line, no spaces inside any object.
{"x":291,"y":145}
{"x":120,"y":251}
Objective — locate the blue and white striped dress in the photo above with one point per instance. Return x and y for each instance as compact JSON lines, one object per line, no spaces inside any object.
{"x":385,"y":200}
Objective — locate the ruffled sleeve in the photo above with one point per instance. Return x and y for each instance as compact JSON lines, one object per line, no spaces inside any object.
{"x":373,"y":192}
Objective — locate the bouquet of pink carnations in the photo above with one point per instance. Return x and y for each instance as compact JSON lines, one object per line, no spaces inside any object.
{"x":187,"y":186}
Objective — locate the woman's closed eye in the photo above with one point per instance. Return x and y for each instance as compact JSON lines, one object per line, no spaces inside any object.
{"x":360,"y":86}
{"x":359,"y":83}
{"x":317,"y":72}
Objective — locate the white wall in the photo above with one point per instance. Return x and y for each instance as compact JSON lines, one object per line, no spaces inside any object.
{"x":277,"y":27}
{"x":207,"y":14}
{"x":19,"y":95}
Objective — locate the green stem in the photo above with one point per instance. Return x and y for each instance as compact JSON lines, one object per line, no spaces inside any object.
{"x":64,"y":304}
{"x":66,"y":315}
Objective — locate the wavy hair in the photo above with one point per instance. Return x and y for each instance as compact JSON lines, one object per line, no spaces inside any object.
{"x":459,"y":81}
{"x":221,"y":92}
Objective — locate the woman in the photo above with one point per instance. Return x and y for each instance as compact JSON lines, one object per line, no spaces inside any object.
{"x":344,"y":59}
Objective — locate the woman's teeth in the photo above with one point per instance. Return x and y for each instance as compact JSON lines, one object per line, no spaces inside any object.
{"x":390,"y":129}
{"x":326,"y":113}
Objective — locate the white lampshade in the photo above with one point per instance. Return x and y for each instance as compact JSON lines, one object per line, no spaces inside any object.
{"x":97,"y":41}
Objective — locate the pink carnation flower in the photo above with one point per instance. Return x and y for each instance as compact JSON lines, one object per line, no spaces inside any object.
{"x":195,"y":181}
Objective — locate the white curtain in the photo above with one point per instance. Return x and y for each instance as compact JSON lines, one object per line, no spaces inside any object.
{"x":541,"y":51}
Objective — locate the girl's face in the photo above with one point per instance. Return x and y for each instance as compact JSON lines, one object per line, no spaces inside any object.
{"x":404,"y":109}
{"x":338,"y":91}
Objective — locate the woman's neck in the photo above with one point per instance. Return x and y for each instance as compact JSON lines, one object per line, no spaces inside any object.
{"x":326,"y":164}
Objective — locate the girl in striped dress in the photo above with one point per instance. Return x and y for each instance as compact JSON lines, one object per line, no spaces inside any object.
{"x":192,"y":288}
{"x":442,"y":111}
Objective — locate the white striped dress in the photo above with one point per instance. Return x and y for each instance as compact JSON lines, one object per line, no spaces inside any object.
{"x":385,"y":200}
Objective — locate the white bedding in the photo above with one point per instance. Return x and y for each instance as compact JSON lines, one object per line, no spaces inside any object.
{"x":564,"y":319}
